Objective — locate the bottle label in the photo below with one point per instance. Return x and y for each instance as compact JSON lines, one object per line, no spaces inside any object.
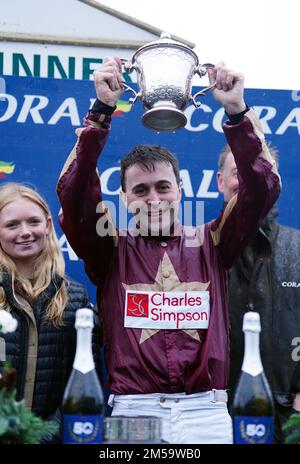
{"x":253,"y":430}
{"x":83,"y":429}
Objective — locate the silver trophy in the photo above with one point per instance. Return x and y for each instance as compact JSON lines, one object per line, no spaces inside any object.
{"x":165,"y":69}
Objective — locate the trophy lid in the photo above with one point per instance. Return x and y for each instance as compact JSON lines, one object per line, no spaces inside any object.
{"x":166,"y":41}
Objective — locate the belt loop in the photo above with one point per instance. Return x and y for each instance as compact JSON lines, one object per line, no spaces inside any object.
{"x":213,"y":396}
{"x":111,"y":400}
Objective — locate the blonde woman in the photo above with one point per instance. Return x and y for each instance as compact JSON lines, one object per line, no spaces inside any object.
{"x":35,"y":290}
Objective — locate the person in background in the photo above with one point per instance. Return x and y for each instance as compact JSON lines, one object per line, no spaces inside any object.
{"x":265,"y":279}
{"x":37,"y":293}
{"x":161,"y":270}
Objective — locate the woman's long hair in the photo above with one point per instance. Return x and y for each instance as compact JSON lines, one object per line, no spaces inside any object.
{"x":47,"y":264}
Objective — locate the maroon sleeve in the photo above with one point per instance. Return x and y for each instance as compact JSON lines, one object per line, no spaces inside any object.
{"x":259,"y":187}
{"x":79,"y":193}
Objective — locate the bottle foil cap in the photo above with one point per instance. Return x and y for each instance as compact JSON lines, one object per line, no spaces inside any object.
{"x":84,"y":318}
{"x":251,"y":322}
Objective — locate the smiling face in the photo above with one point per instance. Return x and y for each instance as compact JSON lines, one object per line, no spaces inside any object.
{"x":227,"y":178}
{"x":23,"y":230}
{"x":153,"y":197}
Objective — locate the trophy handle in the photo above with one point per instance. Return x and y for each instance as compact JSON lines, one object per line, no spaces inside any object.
{"x":131,"y":100}
{"x":202,"y":70}
{"x":129,"y":67}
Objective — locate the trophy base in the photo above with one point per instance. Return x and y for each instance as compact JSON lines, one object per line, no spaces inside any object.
{"x":164,"y":117}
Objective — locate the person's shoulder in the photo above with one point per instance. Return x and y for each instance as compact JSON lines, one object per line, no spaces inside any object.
{"x":287,"y":240}
{"x":288,"y":232}
{"x":76,"y":291}
{"x":4,"y":273}
{"x":74,"y":284}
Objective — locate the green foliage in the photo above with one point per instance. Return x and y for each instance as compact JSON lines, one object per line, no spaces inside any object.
{"x":18,"y":424}
{"x":292,"y":427}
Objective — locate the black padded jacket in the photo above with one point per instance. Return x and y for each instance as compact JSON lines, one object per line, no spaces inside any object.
{"x":266,"y":279}
{"x":42,"y":353}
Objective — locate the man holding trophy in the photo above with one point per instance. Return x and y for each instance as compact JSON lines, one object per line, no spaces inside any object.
{"x":162,"y":288}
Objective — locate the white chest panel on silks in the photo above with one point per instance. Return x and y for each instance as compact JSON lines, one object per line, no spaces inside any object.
{"x":167,"y":310}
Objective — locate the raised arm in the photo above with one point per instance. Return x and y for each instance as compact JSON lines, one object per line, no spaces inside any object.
{"x":79,"y":187}
{"x":259,"y":181}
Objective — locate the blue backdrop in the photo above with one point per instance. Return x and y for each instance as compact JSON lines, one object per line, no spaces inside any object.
{"x":38,"y":118}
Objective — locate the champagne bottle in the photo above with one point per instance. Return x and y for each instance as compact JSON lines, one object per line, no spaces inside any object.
{"x":253,"y":407}
{"x":83,"y":404}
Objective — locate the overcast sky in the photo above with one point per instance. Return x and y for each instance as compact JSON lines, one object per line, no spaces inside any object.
{"x":258,"y":37}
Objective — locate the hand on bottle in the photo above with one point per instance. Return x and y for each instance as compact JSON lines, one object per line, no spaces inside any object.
{"x":108,"y":81}
{"x":229,"y":91}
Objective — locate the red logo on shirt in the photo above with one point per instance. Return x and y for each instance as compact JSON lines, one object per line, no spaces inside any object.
{"x":137,"y":305}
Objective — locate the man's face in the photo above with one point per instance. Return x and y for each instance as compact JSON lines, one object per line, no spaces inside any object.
{"x":153,"y":197}
{"x":227,"y":179}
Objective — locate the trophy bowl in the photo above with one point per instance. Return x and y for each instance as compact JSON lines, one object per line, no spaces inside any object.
{"x":165,"y":69}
